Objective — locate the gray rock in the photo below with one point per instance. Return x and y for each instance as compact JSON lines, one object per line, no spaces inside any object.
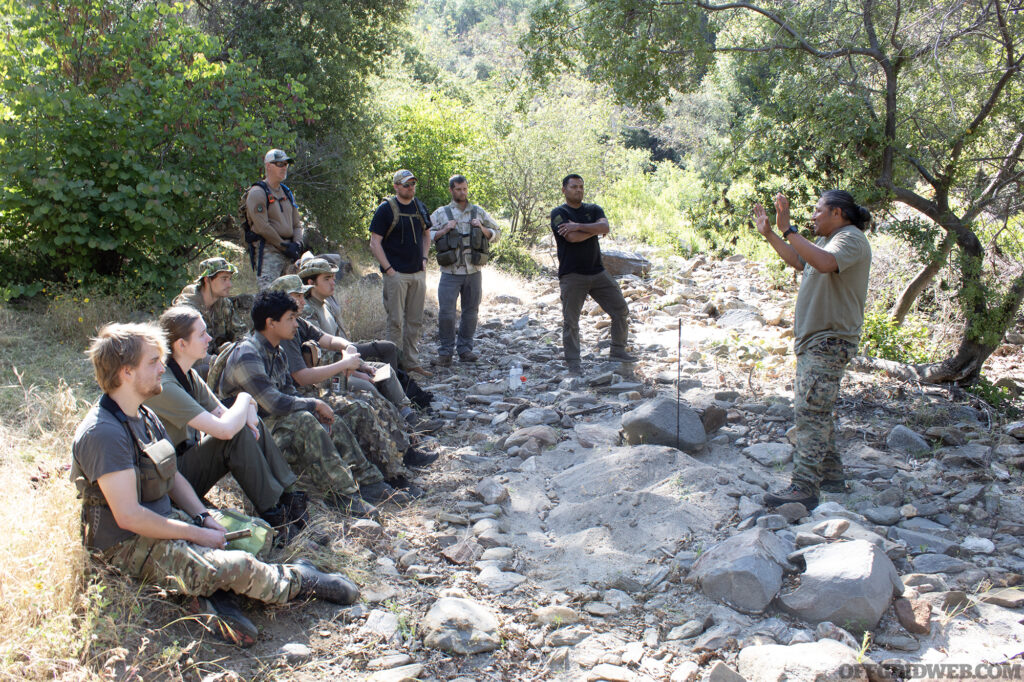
{"x":823,"y":661}
{"x":741,"y":319}
{"x":400,"y":674}
{"x":772,"y":522}
{"x":535,"y":416}
{"x":1015,"y":429}
{"x":832,"y":528}
{"x":545,"y":435}
{"x":845,"y":582}
{"x":974,"y":454}
{"x":654,"y":422}
{"x":717,"y":638}
{"x":498,"y":581}
{"x":567,"y":636}
{"x":556,"y":615}
{"x":744,"y":571}
{"x":976,"y":545}
{"x":770,"y":454}
{"x":382,"y":623}
{"x":969,"y":494}
{"x":883,"y":516}
{"x":939,"y":563}
{"x":902,"y":438}
{"x":690,"y":628}
{"x":590,"y":435}
{"x":720,"y":672}
{"x":792,"y":511}
{"x":295,"y":652}
{"x":624,"y":263}
{"x":460,"y":626}
{"x":919,"y":542}
{"x":490,"y":491}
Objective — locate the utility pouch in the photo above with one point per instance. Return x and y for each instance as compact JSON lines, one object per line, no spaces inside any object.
{"x":259,"y":543}
{"x":480,"y":247}
{"x":448,"y":248}
{"x":158,"y":464}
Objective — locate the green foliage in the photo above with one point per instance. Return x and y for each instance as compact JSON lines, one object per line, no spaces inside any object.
{"x":510,"y":254}
{"x":999,"y":397}
{"x":884,"y":338}
{"x":121,"y":140}
{"x":437,"y":137}
{"x":336,"y":48}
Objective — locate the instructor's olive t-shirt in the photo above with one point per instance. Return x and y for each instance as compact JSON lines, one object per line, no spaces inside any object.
{"x":176,"y":408}
{"x":831,"y":304}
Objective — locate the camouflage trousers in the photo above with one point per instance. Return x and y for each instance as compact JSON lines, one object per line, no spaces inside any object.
{"x":819,"y":372}
{"x":186,"y":568}
{"x":378,"y":428}
{"x":391,"y":388}
{"x":333,"y":459}
{"x":274,"y":263}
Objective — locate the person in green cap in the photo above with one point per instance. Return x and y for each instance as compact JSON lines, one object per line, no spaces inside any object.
{"x":210,"y":295}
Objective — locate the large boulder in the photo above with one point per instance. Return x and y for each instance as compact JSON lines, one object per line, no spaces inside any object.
{"x":850,"y":583}
{"x":744,"y":571}
{"x":625,"y":263}
{"x":823,"y":661}
{"x":654,"y":422}
{"x":460,"y":626}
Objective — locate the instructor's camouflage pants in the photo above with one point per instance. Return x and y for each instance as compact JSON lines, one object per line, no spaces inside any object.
{"x":309,"y":448}
{"x":819,"y":371}
{"x":186,"y":568}
{"x":378,"y":428}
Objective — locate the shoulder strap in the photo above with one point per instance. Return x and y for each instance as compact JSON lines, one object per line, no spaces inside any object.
{"x":423,"y":211}
{"x":472,"y":211}
{"x":288,"y":193}
{"x":448,"y":212}
{"x":393,"y":203}
{"x":108,"y":404}
{"x":184,"y":379}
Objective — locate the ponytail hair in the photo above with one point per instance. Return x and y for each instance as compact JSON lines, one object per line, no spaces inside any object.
{"x":858,"y":216}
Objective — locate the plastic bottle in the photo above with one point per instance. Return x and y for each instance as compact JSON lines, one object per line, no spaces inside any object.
{"x":515,"y":378}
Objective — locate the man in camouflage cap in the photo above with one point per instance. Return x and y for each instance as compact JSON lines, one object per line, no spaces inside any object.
{"x":209,"y":294}
{"x":124,"y":469}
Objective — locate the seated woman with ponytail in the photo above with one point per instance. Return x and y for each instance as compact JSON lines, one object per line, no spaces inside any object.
{"x":827,"y":325}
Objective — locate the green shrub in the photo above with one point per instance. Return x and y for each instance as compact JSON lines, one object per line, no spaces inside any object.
{"x":883,"y":337}
{"x":509,"y":254}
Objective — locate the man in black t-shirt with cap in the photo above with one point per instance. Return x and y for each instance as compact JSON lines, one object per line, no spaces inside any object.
{"x":577,"y":227}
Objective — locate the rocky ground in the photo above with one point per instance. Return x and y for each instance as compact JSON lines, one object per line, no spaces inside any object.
{"x":564,"y":537}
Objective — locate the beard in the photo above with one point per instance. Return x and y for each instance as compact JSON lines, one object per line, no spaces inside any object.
{"x":150,"y":391}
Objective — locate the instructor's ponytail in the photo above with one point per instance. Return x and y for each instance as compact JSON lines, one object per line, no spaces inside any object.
{"x":843,"y":200}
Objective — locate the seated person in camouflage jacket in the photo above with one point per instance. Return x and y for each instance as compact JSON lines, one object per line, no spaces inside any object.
{"x":210,"y":295}
{"x":140,"y":514}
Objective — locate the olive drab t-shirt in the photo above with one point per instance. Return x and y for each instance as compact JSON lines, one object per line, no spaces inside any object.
{"x":176,"y":408}
{"x":579,"y":258}
{"x":102,"y":446}
{"x":831,"y":304}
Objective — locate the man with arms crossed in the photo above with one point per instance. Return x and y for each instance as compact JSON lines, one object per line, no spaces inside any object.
{"x":142,"y":516}
{"x":577,"y":227}
{"x":464,"y":230}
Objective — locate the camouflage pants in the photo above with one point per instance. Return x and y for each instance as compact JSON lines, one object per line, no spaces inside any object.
{"x":308,"y":447}
{"x":186,"y":568}
{"x":274,"y":263}
{"x":378,"y":428}
{"x":819,"y":371}
{"x":391,"y":388}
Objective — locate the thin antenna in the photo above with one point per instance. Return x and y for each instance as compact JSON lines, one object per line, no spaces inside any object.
{"x":679,"y":375}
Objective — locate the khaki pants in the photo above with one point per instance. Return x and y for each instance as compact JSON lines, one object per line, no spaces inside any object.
{"x":603,"y":289}
{"x":403,"y":300}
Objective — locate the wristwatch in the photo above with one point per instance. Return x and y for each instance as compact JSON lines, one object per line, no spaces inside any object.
{"x":788,"y":230}
{"x":200,"y":519}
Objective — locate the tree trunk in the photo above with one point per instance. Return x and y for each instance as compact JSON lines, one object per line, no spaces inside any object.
{"x":922,"y":280}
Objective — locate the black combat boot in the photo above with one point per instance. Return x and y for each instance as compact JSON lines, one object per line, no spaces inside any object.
{"x":332,"y":587}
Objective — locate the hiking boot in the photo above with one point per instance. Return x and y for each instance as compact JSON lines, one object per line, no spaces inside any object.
{"x":468,"y":356}
{"x":407,"y":486}
{"x":421,"y":371}
{"x":443,"y":361}
{"x":381,"y":492}
{"x":332,"y":587}
{"x":296,"y":504}
{"x":620,"y":355}
{"x":834,"y":485}
{"x":221,"y":614}
{"x":356,"y":506}
{"x":794,"y":493}
{"x":276,"y":516}
{"x":573,"y":367}
{"x":416,"y":458}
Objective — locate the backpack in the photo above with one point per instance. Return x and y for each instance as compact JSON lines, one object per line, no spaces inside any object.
{"x":217,"y":368}
{"x":452,"y":244}
{"x":249,"y":237}
{"x":421,"y":213}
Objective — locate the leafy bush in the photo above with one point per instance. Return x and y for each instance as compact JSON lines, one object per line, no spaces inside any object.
{"x":122,"y":141}
{"x":883,"y":337}
{"x":510,"y":254}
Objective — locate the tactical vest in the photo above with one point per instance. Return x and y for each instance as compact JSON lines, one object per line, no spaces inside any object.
{"x":155,"y":464}
{"x":452,"y":245}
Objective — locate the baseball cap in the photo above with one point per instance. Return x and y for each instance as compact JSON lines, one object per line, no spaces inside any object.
{"x":211,"y":266}
{"x":315,"y":266}
{"x":277,"y":155}
{"x":289,"y":284}
{"x":403,"y":176}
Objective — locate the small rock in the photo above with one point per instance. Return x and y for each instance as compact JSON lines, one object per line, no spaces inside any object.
{"x":939,"y":563}
{"x":686,"y":672}
{"x":382,"y":623}
{"x":772,"y":521}
{"x":690,"y":628}
{"x":902,"y":438}
{"x":744,"y":571}
{"x":534,"y":416}
{"x":654,"y":422}
{"x":976,"y":545}
{"x":612,"y":673}
{"x":832,"y":528}
{"x":460,"y":626}
{"x":387,"y":662}
{"x":567,"y":636}
{"x":405,"y":673}
{"x":367,"y":529}
{"x":556,"y":615}
{"x":720,"y":672}
{"x":464,"y":552}
{"x":498,"y":581}
{"x":914,"y":615}
{"x":770,"y":454}
{"x":792,"y":511}
{"x":600,"y":609}
{"x":821,"y":661}
{"x":883,"y":516}
{"x":1008,"y":597}
{"x":490,"y":491}
{"x":295,"y":652}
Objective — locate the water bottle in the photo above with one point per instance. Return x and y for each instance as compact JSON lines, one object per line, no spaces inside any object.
{"x":515,"y":378}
